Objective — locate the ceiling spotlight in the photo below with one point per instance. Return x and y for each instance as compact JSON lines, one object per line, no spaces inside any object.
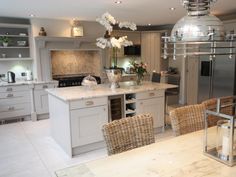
{"x":118,"y":2}
{"x":149,"y":24}
{"x":172,"y":8}
{"x":32,"y":15}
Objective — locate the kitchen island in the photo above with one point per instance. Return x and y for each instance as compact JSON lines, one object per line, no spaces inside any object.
{"x":78,"y":113}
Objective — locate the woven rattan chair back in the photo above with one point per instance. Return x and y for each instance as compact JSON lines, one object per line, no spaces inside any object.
{"x":187,"y":119}
{"x":212,"y":103}
{"x":128,"y":133}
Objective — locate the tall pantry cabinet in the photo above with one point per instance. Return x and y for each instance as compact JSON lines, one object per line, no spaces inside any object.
{"x":151,"y":51}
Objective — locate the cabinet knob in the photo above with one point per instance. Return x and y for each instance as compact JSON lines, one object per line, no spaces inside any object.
{"x":9,"y":95}
{"x":89,"y":103}
{"x":9,"y":89}
{"x":141,"y":103}
{"x":151,"y":94}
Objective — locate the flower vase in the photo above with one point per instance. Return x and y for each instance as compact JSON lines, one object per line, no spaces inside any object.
{"x":139,"y":79}
{"x":5,"y":44}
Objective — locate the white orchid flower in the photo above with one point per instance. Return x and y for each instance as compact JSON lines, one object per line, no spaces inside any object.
{"x":108,"y":17}
{"x":129,"y":25}
{"x":115,"y":43}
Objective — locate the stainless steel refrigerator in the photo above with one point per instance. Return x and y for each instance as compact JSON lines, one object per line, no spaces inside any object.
{"x":216,"y":77}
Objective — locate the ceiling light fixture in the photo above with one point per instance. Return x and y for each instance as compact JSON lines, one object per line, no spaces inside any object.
{"x":149,"y":24}
{"x":32,"y":15}
{"x":172,"y":8}
{"x":118,"y":2}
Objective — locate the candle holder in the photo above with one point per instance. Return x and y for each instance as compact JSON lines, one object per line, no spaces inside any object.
{"x":220,"y":134}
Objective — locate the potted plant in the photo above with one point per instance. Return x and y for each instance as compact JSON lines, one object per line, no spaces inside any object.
{"x":140,"y":69}
{"x":5,"y":40}
{"x":108,"y":41}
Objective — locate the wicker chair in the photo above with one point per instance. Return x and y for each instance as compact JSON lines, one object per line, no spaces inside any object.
{"x":187,"y":119}
{"x":128,"y":133}
{"x":211,"y":104}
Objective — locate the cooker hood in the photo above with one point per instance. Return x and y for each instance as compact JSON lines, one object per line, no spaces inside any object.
{"x":198,"y":24}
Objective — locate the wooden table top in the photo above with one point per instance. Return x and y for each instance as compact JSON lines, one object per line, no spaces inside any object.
{"x":178,"y":157}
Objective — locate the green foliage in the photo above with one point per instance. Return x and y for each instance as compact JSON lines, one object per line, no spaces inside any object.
{"x":139,"y":68}
{"x":5,"y":39}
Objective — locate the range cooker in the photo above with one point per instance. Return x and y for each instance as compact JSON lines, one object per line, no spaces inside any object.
{"x":73,"y":80}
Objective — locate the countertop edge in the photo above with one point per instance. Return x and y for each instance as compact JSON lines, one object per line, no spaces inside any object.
{"x":56,"y":94}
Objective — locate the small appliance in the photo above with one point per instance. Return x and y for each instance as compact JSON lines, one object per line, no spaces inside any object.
{"x":28,"y":75}
{"x":11,"y":77}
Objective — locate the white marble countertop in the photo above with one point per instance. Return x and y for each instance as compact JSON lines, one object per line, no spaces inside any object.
{"x":178,"y":157}
{"x":81,"y":92}
{"x":5,"y":84}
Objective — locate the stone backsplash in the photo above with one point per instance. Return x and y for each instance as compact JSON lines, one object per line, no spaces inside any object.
{"x":76,"y":62}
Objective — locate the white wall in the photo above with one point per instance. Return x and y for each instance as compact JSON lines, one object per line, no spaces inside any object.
{"x":15,"y":66}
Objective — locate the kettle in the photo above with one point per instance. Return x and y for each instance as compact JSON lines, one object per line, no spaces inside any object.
{"x":11,"y":77}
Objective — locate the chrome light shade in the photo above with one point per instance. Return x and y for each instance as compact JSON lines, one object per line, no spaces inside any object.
{"x":198,"y":25}
{"x":197,"y":28}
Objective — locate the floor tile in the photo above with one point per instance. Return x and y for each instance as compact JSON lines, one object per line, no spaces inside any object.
{"x":28,"y":150}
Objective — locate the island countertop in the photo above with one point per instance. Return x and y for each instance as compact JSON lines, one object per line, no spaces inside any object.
{"x":82,"y":92}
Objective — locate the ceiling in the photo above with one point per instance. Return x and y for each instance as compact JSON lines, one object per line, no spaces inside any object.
{"x":141,"y":12}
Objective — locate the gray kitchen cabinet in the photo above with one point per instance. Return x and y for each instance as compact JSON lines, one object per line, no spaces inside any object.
{"x":86,"y":125}
{"x":41,"y":98}
{"x":15,"y":101}
{"x":151,"y":51}
{"x":152,"y":103}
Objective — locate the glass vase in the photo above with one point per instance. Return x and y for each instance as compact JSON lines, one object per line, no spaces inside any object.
{"x":139,"y":79}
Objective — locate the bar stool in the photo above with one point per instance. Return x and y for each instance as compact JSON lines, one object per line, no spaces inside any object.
{"x":156,"y":77}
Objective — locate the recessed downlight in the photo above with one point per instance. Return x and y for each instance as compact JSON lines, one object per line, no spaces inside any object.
{"x":172,"y":8}
{"x":118,"y":2}
{"x":32,"y":15}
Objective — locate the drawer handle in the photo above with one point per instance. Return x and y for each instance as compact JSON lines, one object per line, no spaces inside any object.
{"x":11,"y":108}
{"x":45,"y":86}
{"x":9,"y":89}
{"x":9,"y":95}
{"x":151,"y":94}
{"x":89,"y":103}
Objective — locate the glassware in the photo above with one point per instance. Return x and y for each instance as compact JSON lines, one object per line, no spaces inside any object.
{"x":89,"y":81}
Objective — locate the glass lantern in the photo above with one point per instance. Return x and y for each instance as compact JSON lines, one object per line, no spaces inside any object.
{"x":220,"y":137}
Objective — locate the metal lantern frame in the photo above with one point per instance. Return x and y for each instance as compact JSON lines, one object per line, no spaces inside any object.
{"x":181,"y":48}
{"x":216,"y":111}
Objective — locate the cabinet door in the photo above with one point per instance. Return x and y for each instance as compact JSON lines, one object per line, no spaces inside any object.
{"x":86,"y":125}
{"x":41,"y":101}
{"x":151,"y":50}
{"x":153,"y":106}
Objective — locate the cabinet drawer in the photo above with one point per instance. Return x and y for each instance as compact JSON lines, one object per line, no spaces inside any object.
{"x":14,"y":88}
{"x":14,"y":97}
{"x":150,"y":94}
{"x":14,"y":110}
{"x":44,"y":86}
{"x":88,"y":103}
